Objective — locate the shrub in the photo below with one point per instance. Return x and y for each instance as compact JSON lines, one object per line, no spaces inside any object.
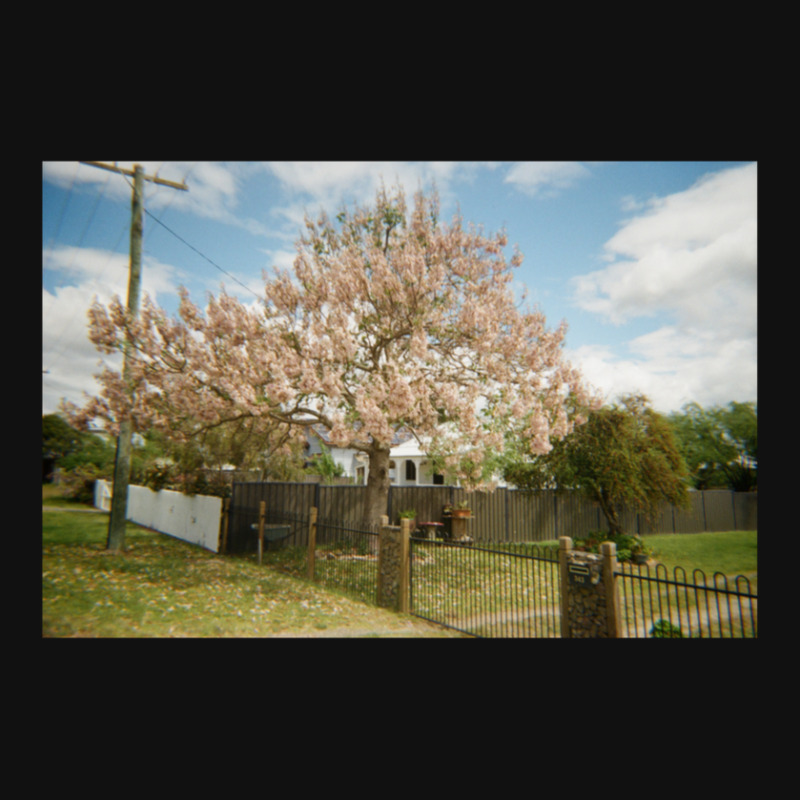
{"x":664,"y":629}
{"x":78,"y":483}
{"x":627,"y":544}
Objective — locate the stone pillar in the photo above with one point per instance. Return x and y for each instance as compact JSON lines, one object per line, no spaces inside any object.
{"x":589,"y":603}
{"x":393,"y":556}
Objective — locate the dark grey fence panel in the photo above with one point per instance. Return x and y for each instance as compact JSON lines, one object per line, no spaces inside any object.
{"x":532,"y":516}
{"x":285,"y":503}
{"x":343,"y":503}
{"x":745,"y":506}
{"x":719,"y":510}
{"x":691,"y":520}
{"x":505,"y":515}
{"x":575,"y":516}
{"x":427,"y":501}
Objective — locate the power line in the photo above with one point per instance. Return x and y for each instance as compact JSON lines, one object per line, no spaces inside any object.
{"x":192,"y":247}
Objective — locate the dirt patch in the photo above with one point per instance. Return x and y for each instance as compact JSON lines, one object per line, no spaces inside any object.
{"x":403,"y":629}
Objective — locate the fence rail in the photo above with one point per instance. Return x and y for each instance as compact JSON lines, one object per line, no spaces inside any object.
{"x":653,"y":604}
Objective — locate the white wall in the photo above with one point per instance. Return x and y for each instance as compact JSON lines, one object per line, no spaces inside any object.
{"x":193,"y":519}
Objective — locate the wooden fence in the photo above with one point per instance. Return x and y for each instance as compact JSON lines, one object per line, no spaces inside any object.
{"x":503,"y":515}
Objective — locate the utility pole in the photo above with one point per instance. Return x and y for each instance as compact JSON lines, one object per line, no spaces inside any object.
{"x":122,"y":464}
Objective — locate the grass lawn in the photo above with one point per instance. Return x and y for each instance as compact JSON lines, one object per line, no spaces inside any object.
{"x":164,"y":587}
{"x":729,"y":552}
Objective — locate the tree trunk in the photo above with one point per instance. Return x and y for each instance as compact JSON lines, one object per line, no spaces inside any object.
{"x":376,"y":500}
{"x":610,"y":513}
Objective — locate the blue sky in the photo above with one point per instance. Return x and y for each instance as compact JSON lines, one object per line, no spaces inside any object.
{"x":652,"y":264}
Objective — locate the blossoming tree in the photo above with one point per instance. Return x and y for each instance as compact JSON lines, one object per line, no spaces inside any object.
{"x":389,"y":320}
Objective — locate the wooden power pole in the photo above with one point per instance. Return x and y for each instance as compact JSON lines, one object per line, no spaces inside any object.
{"x":122,"y":464}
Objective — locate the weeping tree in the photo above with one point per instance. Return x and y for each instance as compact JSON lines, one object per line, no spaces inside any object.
{"x":389,"y":320}
{"x":625,"y":457}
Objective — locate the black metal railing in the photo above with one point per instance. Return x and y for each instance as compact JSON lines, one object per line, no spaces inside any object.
{"x":491,"y":590}
{"x":655,"y":605}
{"x":503,"y":589}
{"x":346,"y":558}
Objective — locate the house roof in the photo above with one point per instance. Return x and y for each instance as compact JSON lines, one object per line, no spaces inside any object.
{"x":400,"y":437}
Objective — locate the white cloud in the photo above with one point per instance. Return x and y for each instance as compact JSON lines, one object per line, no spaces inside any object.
{"x":84,"y":274}
{"x":691,"y":256}
{"x":546,"y":177}
{"x":67,"y":354}
{"x":105,"y":273}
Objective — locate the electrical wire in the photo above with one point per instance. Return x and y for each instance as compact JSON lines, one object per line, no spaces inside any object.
{"x":192,"y":247}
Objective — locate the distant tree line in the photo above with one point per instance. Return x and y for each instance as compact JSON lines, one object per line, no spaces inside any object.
{"x":719,"y":445}
{"x":193,"y":466}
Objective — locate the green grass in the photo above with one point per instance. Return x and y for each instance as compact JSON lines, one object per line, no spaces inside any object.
{"x":729,"y":552}
{"x":164,"y":587}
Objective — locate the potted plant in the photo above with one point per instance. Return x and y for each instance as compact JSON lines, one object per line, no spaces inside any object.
{"x":411,"y":514}
{"x":639,"y":553}
{"x":462,"y":511}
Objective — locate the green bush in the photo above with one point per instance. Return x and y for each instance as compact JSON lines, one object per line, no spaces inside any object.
{"x":664,"y":629}
{"x":627,"y":544}
{"x":78,"y":483}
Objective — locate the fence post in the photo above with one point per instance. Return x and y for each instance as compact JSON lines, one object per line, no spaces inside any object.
{"x":393,"y":573}
{"x":262,"y":511}
{"x":312,"y":542}
{"x":589,"y":605}
{"x":564,"y":549}
{"x":226,"y":510}
{"x":609,"y":552}
{"x":705,"y":520}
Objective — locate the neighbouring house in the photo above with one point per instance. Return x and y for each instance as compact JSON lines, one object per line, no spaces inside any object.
{"x":409,"y":465}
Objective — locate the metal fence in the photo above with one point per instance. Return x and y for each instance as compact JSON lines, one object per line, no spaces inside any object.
{"x":346,"y":558}
{"x":502,"y":588}
{"x":657,"y":605}
{"x":486,"y":591}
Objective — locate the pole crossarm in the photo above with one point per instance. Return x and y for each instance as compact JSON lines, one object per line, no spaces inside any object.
{"x":152,"y":178}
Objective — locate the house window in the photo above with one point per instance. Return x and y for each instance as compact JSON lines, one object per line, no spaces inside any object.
{"x":438,"y":480}
{"x":411,"y":471}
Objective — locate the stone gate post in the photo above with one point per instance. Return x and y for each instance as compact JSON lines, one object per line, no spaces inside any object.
{"x":393,"y":572}
{"x":589,"y":601}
